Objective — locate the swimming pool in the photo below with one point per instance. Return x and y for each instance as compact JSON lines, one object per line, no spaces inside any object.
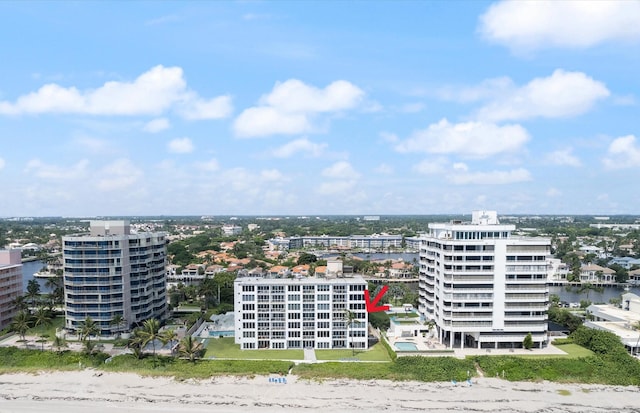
{"x":221,"y":333}
{"x":404,"y":346}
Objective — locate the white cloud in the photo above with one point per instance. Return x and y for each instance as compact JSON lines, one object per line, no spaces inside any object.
{"x":343,"y":178}
{"x":562,"y":94}
{"x":2,"y":164}
{"x":524,"y":26}
{"x":291,"y":105}
{"x":336,"y":187}
{"x":302,"y":145}
{"x":156,"y":125}
{"x":384,"y":169}
{"x":553,"y":192}
{"x":340,"y":170}
{"x":491,"y":178}
{"x":389,"y":137}
{"x":460,"y":166}
{"x":265,"y":121}
{"x":272,"y":175}
{"x":152,"y":93}
{"x":180,"y":145}
{"x":487,"y":89}
{"x":118,"y":175}
{"x":431,"y":166}
{"x":198,"y":109}
{"x":211,"y":165}
{"x":563,"y":157}
{"x":471,"y":139}
{"x":55,"y":172}
{"x":623,"y":152}
{"x":90,"y":144}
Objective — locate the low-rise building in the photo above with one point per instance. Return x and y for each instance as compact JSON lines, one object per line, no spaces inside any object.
{"x":595,"y":274}
{"x":622,"y":321}
{"x":10,"y":284}
{"x":312,"y":312}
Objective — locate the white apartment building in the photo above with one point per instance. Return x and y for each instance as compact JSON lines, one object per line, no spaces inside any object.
{"x":483,"y":287}
{"x":10,"y":284}
{"x":113,"y":271}
{"x":285,"y":313}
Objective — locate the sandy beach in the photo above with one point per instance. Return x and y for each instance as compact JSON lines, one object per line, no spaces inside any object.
{"x":97,"y":392}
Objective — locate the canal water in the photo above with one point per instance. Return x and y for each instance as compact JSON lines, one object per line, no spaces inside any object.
{"x":28,"y":269}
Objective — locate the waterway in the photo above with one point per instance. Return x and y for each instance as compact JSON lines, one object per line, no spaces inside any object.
{"x":28,"y":269}
{"x":571,"y":294}
{"x":379,"y":256}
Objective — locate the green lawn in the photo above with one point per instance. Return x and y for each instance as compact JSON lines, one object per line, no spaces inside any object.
{"x":48,"y":330}
{"x":375,"y":353}
{"x":573,"y":351}
{"x":405,"y":315}
{"x":226,"y":348}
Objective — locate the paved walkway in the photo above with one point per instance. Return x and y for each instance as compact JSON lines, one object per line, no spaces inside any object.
{"x":309,"y":355}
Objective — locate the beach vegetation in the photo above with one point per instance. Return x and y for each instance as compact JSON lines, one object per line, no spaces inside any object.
{"x":190,"y":348}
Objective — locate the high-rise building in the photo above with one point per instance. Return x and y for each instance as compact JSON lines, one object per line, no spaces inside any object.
{"x":286,"y":313}
{"x":482,"y":286}
{"x":112,"y":271}
{"x":10,"y":284}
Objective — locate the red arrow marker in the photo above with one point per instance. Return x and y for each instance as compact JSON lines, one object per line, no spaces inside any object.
{"x":372,"y":306}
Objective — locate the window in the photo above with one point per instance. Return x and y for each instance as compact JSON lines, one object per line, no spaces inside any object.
{"x":323,"y":287}
{"x":293,"y":316}
{"x":293,"y":307}
{"x":248,"y":325}
{"x":248,"y":297}
{"x":248,"y":307}
{"x":248,"y":316}
{"x":248,"y":334}
{"x":248,"y":288}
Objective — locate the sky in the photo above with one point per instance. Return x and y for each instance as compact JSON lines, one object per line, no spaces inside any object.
{"x":319,"y":108}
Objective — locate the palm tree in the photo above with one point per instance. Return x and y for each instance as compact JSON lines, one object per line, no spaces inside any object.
{"x":59,"y":343}
{"x":149,"y":333}
{"x":33,"y":291}
{"x":21,"y":324}
{"x":41,"y":317}
{"x":117,"y":321}
{"x":20,"y":304}
{"x":350,"y":317}
{"x":87,"y":329}
{"x":190,"y":348}
{"x":168,"y":336}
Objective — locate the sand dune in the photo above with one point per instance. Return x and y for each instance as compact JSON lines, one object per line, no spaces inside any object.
{"x":96,"y":392}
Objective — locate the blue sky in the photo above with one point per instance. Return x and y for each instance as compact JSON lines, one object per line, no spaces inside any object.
{"x":307,"y":108}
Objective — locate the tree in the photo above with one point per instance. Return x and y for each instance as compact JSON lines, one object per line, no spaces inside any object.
{"x":190,"y":348}
{"x":588,"y":287}
{"x":33,"y":291}
{"x":59,"y":343}
{"x":527,"y":342}
{"x":41,"y":317}
{"x":306,"y":258}
{"x":87,"y":329}
{"x":168,"y":337}
{"x":150,"y":333}
{"x":21,"y":324}
{"x":117,"y":321}
{"x":350,"y":318}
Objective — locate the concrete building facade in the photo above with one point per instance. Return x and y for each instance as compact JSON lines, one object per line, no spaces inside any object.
{"x":113,"y":271}
{"x":288,"y":313}
{"x":483,"y":287}
{"x":10,"y":284}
